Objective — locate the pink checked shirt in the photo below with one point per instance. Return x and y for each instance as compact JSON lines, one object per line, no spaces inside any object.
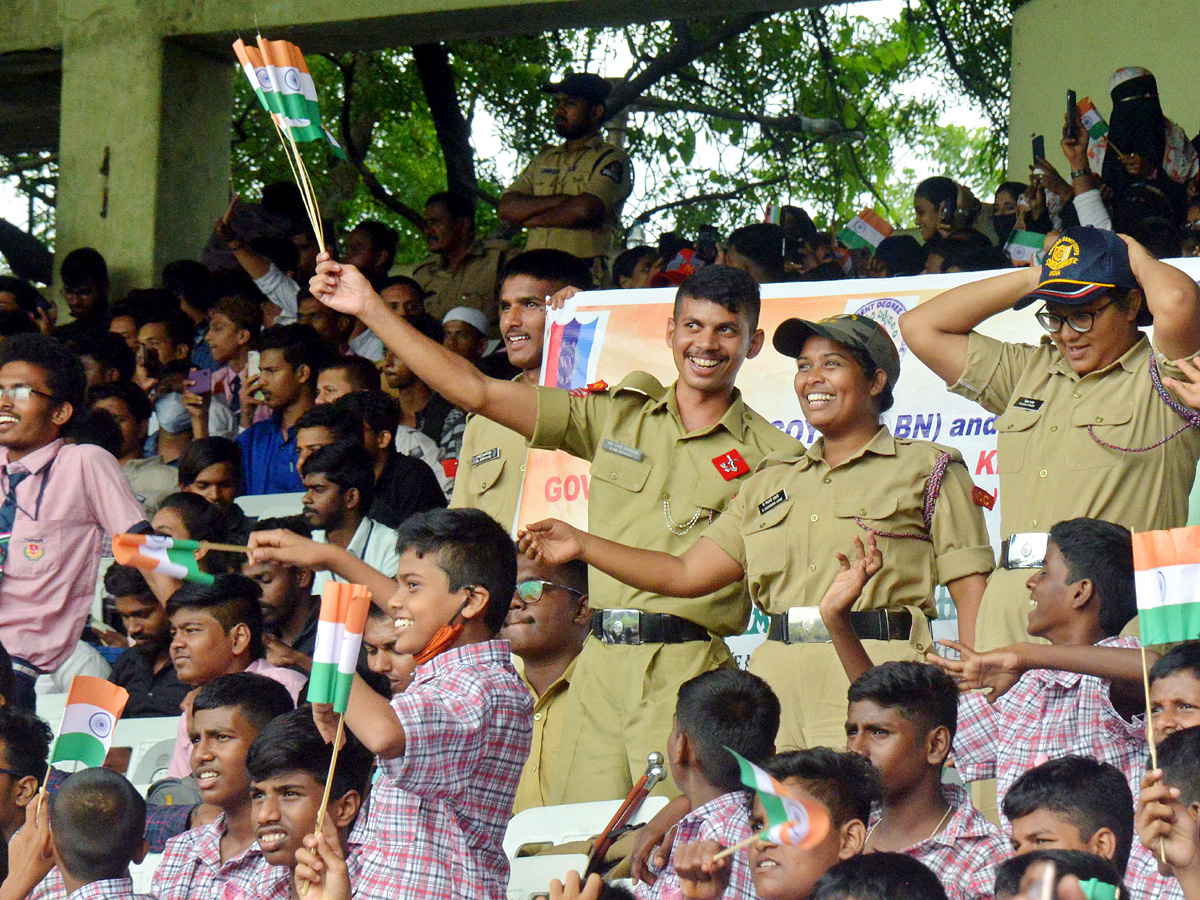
{"x":1045,"y":715}
{"x":191,"y":868}
{"x":107,"y":889}
{"x":1142,"y":877}
{"x":965,"y":853}
{"x":724,"y":819}
{"x":441,"y":808}
{"x":76,"y":494}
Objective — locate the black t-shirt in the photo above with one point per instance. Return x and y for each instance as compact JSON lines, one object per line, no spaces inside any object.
{"x":149,"y":694}
{"x":406,"y":486}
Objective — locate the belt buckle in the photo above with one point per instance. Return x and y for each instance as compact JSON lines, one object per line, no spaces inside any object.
{"x":621,"y":626}
{"x":804,"y":626}
{"x":1026,"y":550}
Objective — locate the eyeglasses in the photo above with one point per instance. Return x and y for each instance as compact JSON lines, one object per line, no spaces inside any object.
{"x":21,"y":393}
{"x":12,"y":773}
{"x":531,"y":591}
{"x":1080,"y":322}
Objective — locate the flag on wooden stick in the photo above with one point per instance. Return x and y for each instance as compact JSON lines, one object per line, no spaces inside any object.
{"x":93,"y":707}
{"x":1166,"y":576}
{"x":342,"y":618}
{"x":159,"y":553}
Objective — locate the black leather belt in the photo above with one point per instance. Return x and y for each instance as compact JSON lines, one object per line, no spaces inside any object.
{"x":803,"y":625}
{"x":632,"y":626}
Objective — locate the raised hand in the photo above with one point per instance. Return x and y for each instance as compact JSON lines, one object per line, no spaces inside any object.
{"x":551,"y":541}
{"x":574,"y":889}
{"x":1159,"y":828}
{"x":30,"y":853}
{"x":321,"y":872}
{"x":700,"y":878}
{"x":342,"y":287}
{"x":1188,"y":392}
{"x":995,"y":671}
{"x":560,"y":298}
{"x":286,"y":547}
{"x":847,"y":586}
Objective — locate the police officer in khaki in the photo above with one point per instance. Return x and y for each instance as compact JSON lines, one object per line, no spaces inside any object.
{"x":665,"y":462}
{"x":782,"y":532}
{"x":1086,"y":427}
{"x":570,"y":196}
{"x":462,"y":270}
{"x":491,"y":464}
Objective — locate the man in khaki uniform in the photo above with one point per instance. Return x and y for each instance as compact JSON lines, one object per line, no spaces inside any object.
{"x":491,"y":464}
{"x":570,"y":196}
{"x":1085,"y":427}
{"x":461,"y":270}
{"x":546,"y":626}
{"x":665,"y":462}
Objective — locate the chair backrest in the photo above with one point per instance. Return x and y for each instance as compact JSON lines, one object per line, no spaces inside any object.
{"x":142,"y":872}
{"x":531,"y":875}
{"x":570,"y":822}
{"x":150,"y":762}
{"x":50,"y":708}
{"x":266,"y":506}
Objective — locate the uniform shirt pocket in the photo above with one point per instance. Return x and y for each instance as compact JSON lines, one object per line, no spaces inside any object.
{"x":36,"y":551}
{"x":1110,"y":422}
{"x":627,"y":474}
{"x":766,"y":538}
{"x":1014,"y":428}
{"x":485,"y":475}
{"x":873,"y":510}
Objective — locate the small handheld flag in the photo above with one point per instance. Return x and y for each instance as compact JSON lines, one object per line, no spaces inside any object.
{"x":865,"y":231}
{"x":343,"y":617}
{"x":1167,"y":582}
{"x":93,"y":707}
{"x":790,"y":820}
{"x":1025,"y":247}
{"x":158,"y":553}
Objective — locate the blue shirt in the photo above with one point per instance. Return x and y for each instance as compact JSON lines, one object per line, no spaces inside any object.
{"x":269,"y":458}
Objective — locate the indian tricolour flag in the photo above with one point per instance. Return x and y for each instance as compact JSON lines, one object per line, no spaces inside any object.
{"x":1025,"y":247}
{"x":864,"y":231}
{"x":1092,"y":120}
{"x":343,"y":617}
{"x":790,"y":820}
{"x":1166,"y":575}
{"x":159,"y":553}
{"x":280,"y":77}
{"x":93,"y":707}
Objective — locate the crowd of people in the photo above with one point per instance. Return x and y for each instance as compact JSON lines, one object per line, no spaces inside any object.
{"x":508,"y":665}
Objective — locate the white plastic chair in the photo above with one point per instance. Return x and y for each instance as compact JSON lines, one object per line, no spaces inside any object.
{"x":50,"y":708}
{"x":570,"y":822}
{"x":531,"y":875}
{"x":144,"y":871}
{"x":266,"y":506}
{"x":150,"y":762}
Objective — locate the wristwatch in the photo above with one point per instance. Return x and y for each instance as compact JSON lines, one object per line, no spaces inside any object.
{"x":1080,"y":173}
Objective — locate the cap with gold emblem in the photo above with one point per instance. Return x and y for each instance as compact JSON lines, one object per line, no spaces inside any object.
{"x":1083,"y":263}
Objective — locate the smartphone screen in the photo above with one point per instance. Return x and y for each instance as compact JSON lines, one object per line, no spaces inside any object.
{"x":201,"y":380}
{"x":1039,"y":147}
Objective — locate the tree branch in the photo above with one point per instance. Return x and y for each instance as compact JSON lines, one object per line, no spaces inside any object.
{"x":965,"y":78}
{"x":16,"y":168}
{"x":453,"y":131}
{"x":828,"y":129}
{"x":732,"y":194}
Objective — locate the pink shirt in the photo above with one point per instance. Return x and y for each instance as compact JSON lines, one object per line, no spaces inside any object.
{"x":76,"y":494}
{"x":181,"y":760}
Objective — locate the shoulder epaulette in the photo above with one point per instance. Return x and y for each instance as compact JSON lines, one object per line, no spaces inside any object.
{"x":642,"y":383}
{"x":596,"y":387}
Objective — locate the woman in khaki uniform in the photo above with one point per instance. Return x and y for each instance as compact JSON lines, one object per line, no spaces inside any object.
{"x":783,"y":530}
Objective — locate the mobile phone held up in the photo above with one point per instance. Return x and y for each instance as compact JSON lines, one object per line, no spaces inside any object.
{"x":1072,"y":116}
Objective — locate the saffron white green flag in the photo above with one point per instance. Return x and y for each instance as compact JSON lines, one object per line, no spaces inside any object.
{"x":790,"y":820}
{"x":1092,"y":120}
{"x":865,"y":231}
{"x":1166,"y":572}
{"x":340,"y":625}
{"x":93,"y":707}
{"x":1024,"y":247}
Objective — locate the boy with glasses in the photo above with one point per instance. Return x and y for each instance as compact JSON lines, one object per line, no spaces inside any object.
{"x":547,"y":624}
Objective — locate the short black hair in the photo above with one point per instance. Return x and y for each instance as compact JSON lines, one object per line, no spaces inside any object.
{"x":209,"y":451}
{"x":300,"y":345}
{"x":723,"y":710}
{"x":726,"y":286}
{"x":242,"y":310}
{"x":179,"y":327}
{"x":202,"y":519}
{"x":26,"y":740}
{"x":472,"y":548}
{"x":63,"y":370}
{"x":192,"y":281}
{"x":459,"y":206}
{"x":126,"y":581}
{"x":923,"y":694}
{"x":1183,"y":658}
{"x":762,"y":244}
{"x":379,"y":411}
{"x":8,"y":678}
{"x":343,"y":425}
{"x":384,"y":237}
{"x":845,"y":783}
{"x":1102,"y":553}
{"x":1179,"y":759}
{"x":258,"y":698}
{"x":879,"y":876}
{"x":231,"y":599}
{"x":1086,"y":792}
{"x":556,"y":266}
{"x":127,"y":392}
{"x":403,"y":281}
{"x":297,"y":524}
{"x":429,"y":326}
{"x":108,"y":349}
{"x":625,"y":264}
{"x":362,"y":374}
{"x":98,"y":819}
{"x":291,"y":743}
{"x":84,"y":264}
{"x":1084,"y":866}
{"x":347,"y":465}
{"x":27,"y":296}
{"x":97,"y":427}
{"x":938,"y":190}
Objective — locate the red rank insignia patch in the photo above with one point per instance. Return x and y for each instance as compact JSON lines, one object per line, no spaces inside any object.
{"x":731,"y":465}
{"x":982,"y":497}
{"x":450,"y":467}
{"x":596,"y":387}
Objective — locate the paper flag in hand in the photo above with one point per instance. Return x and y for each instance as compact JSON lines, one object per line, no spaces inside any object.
{"x":93,"y":707}
{"x":158,"y":553}
{"x":790,"y":820}
{"x":343,"y":617}
{"x":1166,"y":574}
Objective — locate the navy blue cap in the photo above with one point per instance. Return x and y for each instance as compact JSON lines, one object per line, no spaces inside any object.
{"x":1082,"y":264}
{"x":583,"y":85}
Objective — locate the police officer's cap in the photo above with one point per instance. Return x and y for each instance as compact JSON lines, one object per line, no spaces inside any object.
{"x":857,"y":332}
{"x":1081,"y":266}
{"x":583,"y":85}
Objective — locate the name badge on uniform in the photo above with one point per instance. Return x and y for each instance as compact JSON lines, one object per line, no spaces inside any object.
{"x":1029,"y":403}
{"x":486,"y":456}
{"x":771,"y":502}
{"x":731,"y":465}
{"x":623,"y":450}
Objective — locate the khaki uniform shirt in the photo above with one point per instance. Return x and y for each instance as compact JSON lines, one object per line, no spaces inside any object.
{"x":795,"y":512}
{"x":491,"y":470}
{"x":649,"y":476}
{"x":473,"y":284}
{"x":1050,"y":467}
{"x":597,"y":168}
{"x":533,"y":788}
{"x":152,"y":480}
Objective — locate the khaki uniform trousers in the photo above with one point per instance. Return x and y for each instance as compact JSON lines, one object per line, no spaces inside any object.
{"x":620,"y":707}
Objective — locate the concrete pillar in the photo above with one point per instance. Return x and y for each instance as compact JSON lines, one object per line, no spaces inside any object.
{"x":144,"y":151}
